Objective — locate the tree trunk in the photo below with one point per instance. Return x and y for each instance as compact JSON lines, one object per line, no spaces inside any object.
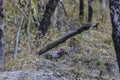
{"x":81,"y":10}
{"x":90,"y":10}
{"x":103,"y":14}
{"x":60,"y":16}
{"x":103,"y":4}
{"x":54,"y":18}
{"x":1,"y":36}
{"x":45,"y":22}
{"x":115,"y":20}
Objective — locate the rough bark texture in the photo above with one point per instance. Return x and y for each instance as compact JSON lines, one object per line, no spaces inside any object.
{"x":90,"y":10}
{"x":1,"y":36}
{"x":115,"y":19}
{"x":45,"y":22}
{"x":81,"y":11}
{"x":67,"y":36}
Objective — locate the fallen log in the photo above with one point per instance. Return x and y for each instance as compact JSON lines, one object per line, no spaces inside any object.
{"x":67,"y":36}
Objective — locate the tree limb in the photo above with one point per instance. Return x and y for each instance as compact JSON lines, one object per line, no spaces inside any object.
{"x":67,"y":36}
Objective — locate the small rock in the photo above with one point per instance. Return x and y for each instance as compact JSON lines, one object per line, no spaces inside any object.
{"x":55,"y":54}
{"x":73,"y":49}
{"x":106,"y":77}
{"x":95,"y":73}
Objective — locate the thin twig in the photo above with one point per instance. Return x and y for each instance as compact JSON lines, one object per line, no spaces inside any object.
{"x":28,"y":26}
{"x":17,"y":36}
{"x":18,"y":32}
{"x":64,"y":9}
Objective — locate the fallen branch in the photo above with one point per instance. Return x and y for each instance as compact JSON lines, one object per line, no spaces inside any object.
{"x":67,"y":36}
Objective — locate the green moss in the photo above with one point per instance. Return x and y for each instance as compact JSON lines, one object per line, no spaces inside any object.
{"x":99,"y":62}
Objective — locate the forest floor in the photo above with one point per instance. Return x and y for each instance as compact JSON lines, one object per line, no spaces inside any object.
{"x":90,"y":55}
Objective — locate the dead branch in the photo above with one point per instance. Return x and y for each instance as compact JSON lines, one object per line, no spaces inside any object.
{"x":67,"y":36}
{"x":17,"y":36}
{"x":18,"y":32}
{"x":64,"y":9}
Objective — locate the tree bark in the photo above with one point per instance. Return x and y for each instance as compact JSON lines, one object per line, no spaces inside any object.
{"x":90,"y":10}
{"x":60,"y":16}
{"x":115,"y":20}
{"x":67,"y":36}
{"x":45,"y":22}
{"x":81,"y":10}
{"x":1,"y":36}
{"x":54,"y":18}
{"x":103,"y":14}
{"x":103,"y":4}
